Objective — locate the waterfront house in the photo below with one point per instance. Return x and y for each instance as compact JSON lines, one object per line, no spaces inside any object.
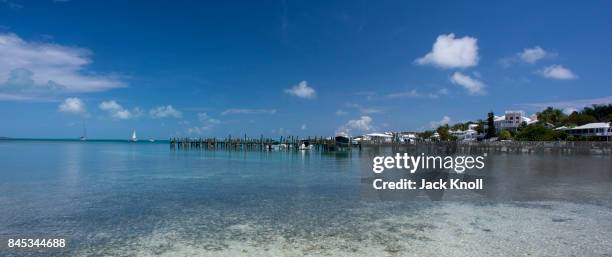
{"x":597,"y":129}
{"x":465,"y":135}
{"x":378,"y":137}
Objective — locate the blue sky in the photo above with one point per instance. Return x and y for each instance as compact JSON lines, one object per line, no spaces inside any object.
{"x":291,"y":67}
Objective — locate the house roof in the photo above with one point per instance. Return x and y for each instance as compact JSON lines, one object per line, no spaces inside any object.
{"x":378,"y":135}
{"x":594,"y":125}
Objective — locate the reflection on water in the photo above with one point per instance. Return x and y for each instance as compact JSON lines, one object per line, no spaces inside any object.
{"x":114,"y":199}
{"x":506,"y":176}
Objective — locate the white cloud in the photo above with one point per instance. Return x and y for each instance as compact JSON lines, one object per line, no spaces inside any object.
{"x":532,"y":55}
{"x":473,"y":86}
{"x":409,"y":93}
{"x":451,"y":52}
{"x":34,"y":68}
{"x":364,"y":123}
{"x":557,"y":72}
{"x":72,"y":105}
{"x":302,"y":90}
{"x":115,"y":110}
{"x":445,"y":120}
{"x":248,"y":111}
{"x":341,"y":113}
{"x":303,"y":127}
{"x":165,"y":112}
{"x":528,"y":55}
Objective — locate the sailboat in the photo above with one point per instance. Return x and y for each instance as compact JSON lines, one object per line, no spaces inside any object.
{"x":84,"y":136}
{"x":134,"y":139}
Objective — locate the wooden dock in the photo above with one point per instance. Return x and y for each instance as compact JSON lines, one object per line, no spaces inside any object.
{"x":329,"y":144}
{"x":261,"y":144}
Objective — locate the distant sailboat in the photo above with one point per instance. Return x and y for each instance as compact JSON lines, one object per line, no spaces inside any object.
{"x":134,"y":139}
{"x":84,"y":136}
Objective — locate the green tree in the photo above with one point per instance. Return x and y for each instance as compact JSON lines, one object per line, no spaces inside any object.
{"x":538,"y":132}
{"x":480,"y":127}
{"x":490,"y":125}
{"x":579,"y":119}
{"x":552,"y":116}
{"x":599,"y":112}
{"x":505,"y":135}
{"x":444,"y":133}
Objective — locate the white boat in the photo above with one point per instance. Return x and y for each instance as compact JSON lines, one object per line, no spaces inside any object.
{"x":305,"y":145}
{"x":134,"y":139}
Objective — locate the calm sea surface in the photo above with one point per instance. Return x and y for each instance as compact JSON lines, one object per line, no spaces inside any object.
{"x":144,"y":199}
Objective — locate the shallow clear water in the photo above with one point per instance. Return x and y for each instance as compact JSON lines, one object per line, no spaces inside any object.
{"x":124,"y":199}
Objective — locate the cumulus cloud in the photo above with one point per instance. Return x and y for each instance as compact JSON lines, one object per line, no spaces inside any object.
{"x":444,"y":121}
{"x":34,"y":68}
{"x":248,"y":111}
{"x":72,"y":105}
{"x":557,"y":72}
{"x":451,"y":52}
{"x":473,"y":86}
{"x":165,"y":112}
{"x":532,"y":55}
{"x":115,"y":110}
{"x":364,"y":123}
{"x":302,"y":90}
{"x":528,"y":55}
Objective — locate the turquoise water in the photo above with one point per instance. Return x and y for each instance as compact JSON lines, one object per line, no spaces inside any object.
{"x":144,"y":199}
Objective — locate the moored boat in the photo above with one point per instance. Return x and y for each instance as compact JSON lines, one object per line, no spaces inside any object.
{"x":342,"y":140}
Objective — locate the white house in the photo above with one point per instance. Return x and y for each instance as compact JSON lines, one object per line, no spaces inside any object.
{"x":407,"y":137}
{"x":511,"y":120}
{"x":465,"y":135}
{"x":378,"y":137}
{"x":597,"y":129}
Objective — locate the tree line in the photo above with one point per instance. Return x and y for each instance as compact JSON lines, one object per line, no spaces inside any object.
{"x":542,"y":130}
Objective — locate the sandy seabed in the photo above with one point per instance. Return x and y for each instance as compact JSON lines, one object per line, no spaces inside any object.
{"x":380,"y":229}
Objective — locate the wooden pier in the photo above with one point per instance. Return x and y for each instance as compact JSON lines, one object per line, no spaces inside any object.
{"x":262,"y":144}
{"x":329,"y":144}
